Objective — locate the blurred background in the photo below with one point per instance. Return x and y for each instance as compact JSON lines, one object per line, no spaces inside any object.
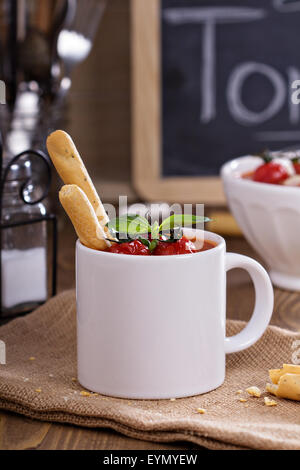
{"x":99,"y":104}
{"x":70,"y":64}
{"x":212,"y":81}
{"x":209,"y":85}
{"x":64,"y":66}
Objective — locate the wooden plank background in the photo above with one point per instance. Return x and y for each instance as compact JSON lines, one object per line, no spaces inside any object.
{"x":98,"y":115}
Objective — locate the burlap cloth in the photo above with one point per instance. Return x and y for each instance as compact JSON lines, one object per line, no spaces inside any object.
{"x":44,"y":388}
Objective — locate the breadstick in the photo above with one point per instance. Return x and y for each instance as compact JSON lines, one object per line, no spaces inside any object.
{"x":71,"y":169}
{"x":83,"y":217}
{"x":288,"y":387}
{"x":275,"y":374}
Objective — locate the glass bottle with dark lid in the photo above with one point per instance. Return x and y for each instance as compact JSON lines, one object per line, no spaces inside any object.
{"x":24,"y":244}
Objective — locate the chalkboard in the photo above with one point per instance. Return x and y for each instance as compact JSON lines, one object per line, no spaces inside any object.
{"x":221,"y":82}
{"x":227,"y":68}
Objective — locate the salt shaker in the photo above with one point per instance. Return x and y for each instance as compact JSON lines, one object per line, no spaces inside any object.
{"x":24,"y":245}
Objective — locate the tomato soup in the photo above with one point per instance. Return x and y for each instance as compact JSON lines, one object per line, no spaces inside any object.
{"x":163,"y":248}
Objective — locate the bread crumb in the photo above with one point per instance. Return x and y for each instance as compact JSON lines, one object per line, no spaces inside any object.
{"x":269,"y":402}
{"x":201,"y":411}
{"x":238,"y":392}
{"x":246,"y":406}
{"x":32,"y":358}
{"x":254,"y":392}
{"x":51,"y":375}
{"x":38,"y":390}
{"x":243,"y":400}
{"x":83,"y":393}
{"x":74,"y":379}
{"x":172,"y":399}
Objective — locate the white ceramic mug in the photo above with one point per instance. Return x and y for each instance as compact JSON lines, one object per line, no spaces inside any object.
{"x":154,"y":326}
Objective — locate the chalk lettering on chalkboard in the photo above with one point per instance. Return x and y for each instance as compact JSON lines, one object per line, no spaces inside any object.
{"x":277,"y":136}
{"x":227,"y":81}
{"x":294,"y":74}
{"x":210,"y":17}
{"x":234,"y":93}
{"x":287,"y":6}
{"x":295,"y":95}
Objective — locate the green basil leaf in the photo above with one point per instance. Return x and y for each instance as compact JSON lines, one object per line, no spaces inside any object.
{"x":155,"y":230}
{"x":181,"y":220}
{"x":266,"y":156}
{"x":144,"y":241}
{"x":129,"y":224}
{"x":153,"y":245}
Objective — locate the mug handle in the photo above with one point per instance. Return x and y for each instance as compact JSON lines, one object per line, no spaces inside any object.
{"x":264,"y":302}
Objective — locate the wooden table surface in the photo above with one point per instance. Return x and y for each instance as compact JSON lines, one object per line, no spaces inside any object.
{"x":17,"y":432}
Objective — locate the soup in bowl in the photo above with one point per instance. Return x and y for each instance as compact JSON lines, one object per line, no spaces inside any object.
{"x":269,"y":216}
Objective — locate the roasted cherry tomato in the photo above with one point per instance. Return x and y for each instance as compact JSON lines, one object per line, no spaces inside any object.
{"x":180,"y":247}
{"x":297,"y":167}
{"x":134,"y":247}
{"x":271,"y":172}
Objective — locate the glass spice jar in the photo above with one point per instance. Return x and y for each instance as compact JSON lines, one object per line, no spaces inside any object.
{"x":24,"y":244}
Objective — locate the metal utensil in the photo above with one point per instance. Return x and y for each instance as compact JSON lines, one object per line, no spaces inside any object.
{"x":75,"y":39}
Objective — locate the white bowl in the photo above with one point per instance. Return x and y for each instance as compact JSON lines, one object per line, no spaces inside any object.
{"x":269,"y":216}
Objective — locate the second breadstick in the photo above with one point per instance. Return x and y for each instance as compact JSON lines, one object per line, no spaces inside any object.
{"x":275,"y":374}
{"x":83,"y":217}
{"x":288,"y":387}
